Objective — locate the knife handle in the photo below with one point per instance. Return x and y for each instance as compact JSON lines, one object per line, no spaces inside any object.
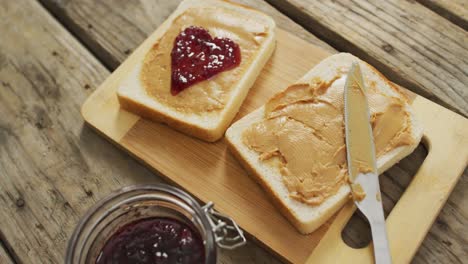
{"x":372,"y":209}
{"x":380,"y":241}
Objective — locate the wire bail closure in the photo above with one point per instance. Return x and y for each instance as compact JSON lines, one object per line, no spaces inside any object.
{"x":228,"y":235}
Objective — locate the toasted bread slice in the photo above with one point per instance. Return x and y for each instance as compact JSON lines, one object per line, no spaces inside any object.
{"x":306,"y":218}
{"x":205,"y":109}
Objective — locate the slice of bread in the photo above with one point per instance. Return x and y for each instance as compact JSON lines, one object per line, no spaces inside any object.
{"x":206,"y":124}
{"x":306,"y":218}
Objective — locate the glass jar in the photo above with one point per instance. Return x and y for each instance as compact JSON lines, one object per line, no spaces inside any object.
{"x":137,"y":202}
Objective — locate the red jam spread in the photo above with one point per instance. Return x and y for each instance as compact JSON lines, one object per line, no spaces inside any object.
{"x":196,"y":56}
{"x":153,"y":240}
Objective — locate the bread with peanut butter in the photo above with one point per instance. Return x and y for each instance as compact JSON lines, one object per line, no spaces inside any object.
{"x":294,"y":145}
{"x":206,"y":57}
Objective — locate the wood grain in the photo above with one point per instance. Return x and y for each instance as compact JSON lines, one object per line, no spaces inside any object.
{"x":4,"y":256}
{"x":47,"y":154}
{"x":407,"y":42}
{"x":453,"y":10}
{"x":51,"y":167}
{"x":112,"y":31}
{"x":394,"y":187}
{"x":86,"y":19}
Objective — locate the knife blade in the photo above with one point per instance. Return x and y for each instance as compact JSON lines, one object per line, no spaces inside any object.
{"x":362,"y":166}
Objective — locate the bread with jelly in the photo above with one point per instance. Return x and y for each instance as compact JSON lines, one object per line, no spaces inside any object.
{"x":204,"y":60}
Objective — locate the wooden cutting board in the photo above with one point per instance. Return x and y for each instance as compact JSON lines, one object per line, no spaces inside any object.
{"x":209,"y":171}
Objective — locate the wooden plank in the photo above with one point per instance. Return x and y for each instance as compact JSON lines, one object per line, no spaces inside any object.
{"x":55,"y":141}
{"x":87,"y":20}
{"x":408,"y":43}
{"x":453,"y":10}
{"x":52,"y":168}
{"x":112,"y":31}
{"x":5,"y":258}
{"x":447,"y":240}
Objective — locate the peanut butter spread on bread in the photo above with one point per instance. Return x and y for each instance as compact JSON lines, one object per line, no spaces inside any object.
{"x":212,"y":94}
{"x":302,"y":133}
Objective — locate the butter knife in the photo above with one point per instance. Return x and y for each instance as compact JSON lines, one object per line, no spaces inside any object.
{"x":362,"y":166}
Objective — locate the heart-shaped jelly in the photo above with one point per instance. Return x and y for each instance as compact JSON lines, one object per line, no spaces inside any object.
{"x":196,"y":56}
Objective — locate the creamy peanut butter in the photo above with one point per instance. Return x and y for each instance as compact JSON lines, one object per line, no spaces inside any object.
{"x":358,"y":192}
{"x":302,"y":133}
{"x":209,"y":95}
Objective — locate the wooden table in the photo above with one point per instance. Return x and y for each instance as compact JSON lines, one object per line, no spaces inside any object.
{"x":53,"y":54}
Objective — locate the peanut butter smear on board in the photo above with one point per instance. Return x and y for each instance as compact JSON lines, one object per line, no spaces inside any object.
{"x":302,"y":133}
{"x":212,"y":94}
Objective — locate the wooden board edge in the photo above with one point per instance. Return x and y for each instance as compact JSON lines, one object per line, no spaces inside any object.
{"x":113,"y":124}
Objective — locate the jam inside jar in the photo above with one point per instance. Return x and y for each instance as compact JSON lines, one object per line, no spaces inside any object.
{"x":155,"y":240}
{"x":151,"y":224}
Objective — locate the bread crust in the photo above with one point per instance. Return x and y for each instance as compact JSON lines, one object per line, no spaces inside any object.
{"x":162,"y":117}
{"x":390,"y":84}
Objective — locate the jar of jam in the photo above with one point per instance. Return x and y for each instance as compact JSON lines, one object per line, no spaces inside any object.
{"x":151,"y":224}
